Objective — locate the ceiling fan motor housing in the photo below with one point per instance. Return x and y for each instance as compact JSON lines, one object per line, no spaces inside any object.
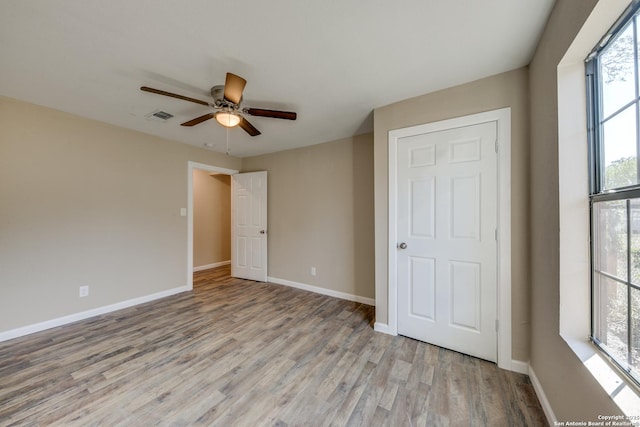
{"x":217,"y":92}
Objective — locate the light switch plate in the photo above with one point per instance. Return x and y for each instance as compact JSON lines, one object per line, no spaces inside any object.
{"x":183,"y":211}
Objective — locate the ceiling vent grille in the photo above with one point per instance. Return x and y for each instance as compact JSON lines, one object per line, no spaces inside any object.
{"x":159,"y":116}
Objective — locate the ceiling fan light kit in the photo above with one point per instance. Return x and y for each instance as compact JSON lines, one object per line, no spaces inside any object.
{"x":227,"y":100}
{"x":227,"y":118}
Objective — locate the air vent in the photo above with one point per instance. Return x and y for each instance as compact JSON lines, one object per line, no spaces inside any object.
{"x":159,"y":116}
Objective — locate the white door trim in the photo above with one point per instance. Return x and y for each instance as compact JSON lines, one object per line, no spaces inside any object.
{"x":191,"y":166}
{"x":503,"y":119}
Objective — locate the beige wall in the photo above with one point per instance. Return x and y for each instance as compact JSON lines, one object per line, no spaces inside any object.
{"x":320,"y":214}
{"x":503,"y":90}
{"x":211,"y":218}
{"x":572,"y":391}
{"x":86,"y":203}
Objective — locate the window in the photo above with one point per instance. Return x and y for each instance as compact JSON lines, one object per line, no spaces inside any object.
{"x":613,"y":87}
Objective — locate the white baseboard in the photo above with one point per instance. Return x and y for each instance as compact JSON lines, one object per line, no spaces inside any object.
{"x":323,"y":291}
{"x":48,"y":324}
{"x":382,"y":328}
{"x":208,"y":266}
{"x":520,"y":367}
{"x":542,"y":397}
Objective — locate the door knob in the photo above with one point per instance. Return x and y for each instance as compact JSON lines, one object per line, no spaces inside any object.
{"x":262,"y":232}
{"x":402,"y":245}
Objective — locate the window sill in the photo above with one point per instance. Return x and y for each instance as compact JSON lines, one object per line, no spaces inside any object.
{"x":624,"y":392}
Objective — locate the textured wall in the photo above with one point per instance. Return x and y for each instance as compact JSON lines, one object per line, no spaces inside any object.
{"x":85,"y":203}
{"x":572,"y":392}
{"x":321,"y":214}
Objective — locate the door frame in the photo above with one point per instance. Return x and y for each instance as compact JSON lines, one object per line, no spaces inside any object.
{"x":503,"y":119}
{"x":191,"y":166}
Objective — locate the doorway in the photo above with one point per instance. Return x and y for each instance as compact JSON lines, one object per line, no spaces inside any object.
{"x":458,"y":304}
{"x":446,"y":258}
{"x":193,"y":166}
{"x":211,"y":219}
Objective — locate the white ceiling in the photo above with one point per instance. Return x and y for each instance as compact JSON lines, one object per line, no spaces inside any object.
{"x":332,"y":62}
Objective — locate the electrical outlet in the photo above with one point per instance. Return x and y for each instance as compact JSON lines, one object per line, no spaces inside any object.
{"x":313,"y":271}
{"x":84,"y":291}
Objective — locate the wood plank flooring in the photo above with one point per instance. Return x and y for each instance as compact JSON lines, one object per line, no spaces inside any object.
{"x":241,"y":353}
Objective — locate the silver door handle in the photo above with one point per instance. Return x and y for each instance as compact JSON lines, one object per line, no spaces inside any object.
{"x":402,"y":245}
{"x":263,"y":232}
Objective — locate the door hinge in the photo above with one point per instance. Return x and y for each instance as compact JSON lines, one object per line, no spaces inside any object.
{"x":496,"y":234}
{"x":497,"y":325}
{"x":496,"y":144}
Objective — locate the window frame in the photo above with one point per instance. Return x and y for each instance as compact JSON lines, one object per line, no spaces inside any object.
{"x":595,"y":153}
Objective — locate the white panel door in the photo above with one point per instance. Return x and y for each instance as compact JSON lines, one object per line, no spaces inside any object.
{"x":249,"y":226}
{"x":446,"y":227}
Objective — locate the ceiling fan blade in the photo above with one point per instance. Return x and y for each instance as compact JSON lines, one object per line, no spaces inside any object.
{"x":233,"y":87}
{"x":197,"y":120}
{"x":248,"y":127}
{"x":172,"y":95}
{"x":288,"y":115}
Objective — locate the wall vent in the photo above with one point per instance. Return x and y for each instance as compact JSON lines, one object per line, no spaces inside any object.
{"x":159,"y":116}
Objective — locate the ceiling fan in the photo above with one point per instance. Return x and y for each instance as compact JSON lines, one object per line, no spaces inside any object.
{"x":227,"y":100}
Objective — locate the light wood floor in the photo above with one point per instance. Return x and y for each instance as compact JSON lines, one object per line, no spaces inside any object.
{"x":235,"y":352}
